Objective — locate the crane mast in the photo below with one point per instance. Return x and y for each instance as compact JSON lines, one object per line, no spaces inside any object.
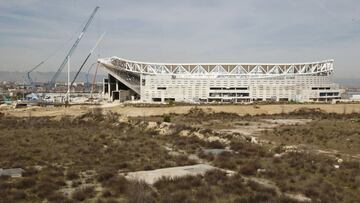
{"x":54,"y":78}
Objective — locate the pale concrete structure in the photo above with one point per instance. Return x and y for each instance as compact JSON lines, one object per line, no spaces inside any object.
{"x":221,"y":82}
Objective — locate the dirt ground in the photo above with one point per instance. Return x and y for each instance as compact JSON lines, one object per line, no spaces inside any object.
{"x":154,"y":111}
{"x":285,"y":156}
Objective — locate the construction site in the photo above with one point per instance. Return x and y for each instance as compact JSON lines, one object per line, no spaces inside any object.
{"x":117,"y":130}
{"x":129,"y":81}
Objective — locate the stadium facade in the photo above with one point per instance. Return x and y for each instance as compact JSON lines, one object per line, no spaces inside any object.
{"x":219,"y":82}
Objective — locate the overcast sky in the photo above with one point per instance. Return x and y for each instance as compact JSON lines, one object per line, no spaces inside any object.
{"x":183,"y":31}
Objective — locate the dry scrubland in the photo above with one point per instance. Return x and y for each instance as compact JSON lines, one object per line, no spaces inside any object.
{"x":85,"y":157}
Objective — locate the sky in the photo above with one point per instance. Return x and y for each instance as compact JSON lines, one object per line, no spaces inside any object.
{"x":258,"y":31}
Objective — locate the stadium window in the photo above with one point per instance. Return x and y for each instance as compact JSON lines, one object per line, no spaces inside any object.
{"x":156,"y":99}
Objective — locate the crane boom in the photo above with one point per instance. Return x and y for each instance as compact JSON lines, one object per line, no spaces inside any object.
{"x":30,"y":80}
{"x":88,"y":56}
{"x":53,"y":79}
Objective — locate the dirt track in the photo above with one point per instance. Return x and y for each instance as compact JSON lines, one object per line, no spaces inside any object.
{"x":239,"y":109}
{"x":150,"y":111}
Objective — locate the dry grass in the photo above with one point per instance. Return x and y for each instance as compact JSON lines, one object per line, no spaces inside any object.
{"x":66,"y":148}
{"x":341,"y":134}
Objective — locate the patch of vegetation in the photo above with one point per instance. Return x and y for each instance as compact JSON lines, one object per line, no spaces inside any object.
{"x":167,"y":118}
{"x":214,"y":186}
{"x":342,"y":135}
{"x":316,"y":177}
{"x":64,"y":148}
{"x":58,"y":154}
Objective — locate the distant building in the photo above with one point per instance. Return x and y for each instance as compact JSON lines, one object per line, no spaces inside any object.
{"x":219,"y":82}
{"x":355,"y":97}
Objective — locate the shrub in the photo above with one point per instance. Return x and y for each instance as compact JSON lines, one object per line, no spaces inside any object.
{"x":79,"y":195}
{"x":250,"y":168}
{"x":234,"y":184}
{"x":225,"y":160}
{"x":71,"y":175}
{"x":112,"y":117}
{"x":148,"y":167}
{"x":216,"y":144}
{"x":167,"y":118}
{"x":212,"y":177}
{"x":19,"y":195}
{"x":26,"y":183}
{"x":204,"y":194}
{"x":105,"y":174}
{"x":117,"y":184}
{"x":58,"y":198}
{"x":261,"y":188}
{"x":106,"y":193}
{"x":83,"y":193}
{"x":46,"y":189}
{"x":178,"y":196}
{"x":139,"y":191}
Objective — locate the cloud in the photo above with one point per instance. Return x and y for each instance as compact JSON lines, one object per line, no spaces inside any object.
{"x":180,"y":31}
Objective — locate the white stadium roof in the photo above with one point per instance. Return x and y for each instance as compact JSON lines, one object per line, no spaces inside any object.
{"x":257,"y":70}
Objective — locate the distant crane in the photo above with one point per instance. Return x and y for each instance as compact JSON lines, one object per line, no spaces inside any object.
{"x":55,"y":77}
{"x":88,"y":56}
{"x":30,"y":80}
{"x":87,"y":75}
{"x":28,"y":74}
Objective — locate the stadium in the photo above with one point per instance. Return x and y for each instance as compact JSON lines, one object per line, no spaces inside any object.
{"x":219,"y":82}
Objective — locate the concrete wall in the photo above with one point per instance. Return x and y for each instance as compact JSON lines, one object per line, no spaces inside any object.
{"x":186,"y":89}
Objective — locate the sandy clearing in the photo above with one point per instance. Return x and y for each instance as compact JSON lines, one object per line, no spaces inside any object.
{"x":156,"y":111}
{"x":239,"y":109}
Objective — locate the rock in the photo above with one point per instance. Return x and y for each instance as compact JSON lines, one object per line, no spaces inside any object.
{"x":165,"y":125}
{"x":216,"y":151}
{"x":151,"y":125}
{"x":12,"y":172}
{"x":198,"y":135}
{"x":336,"y":166}
{"x":184,"y":133}
{"x":254,"y":140}
{"x":123,"y":119}
{"x":38,"y":167}
{"x":291,"y":148}
{"x":219,"y":139}
{"x":261,"y":170}
{"x":298,"y":197}
{"x":278,"y":155}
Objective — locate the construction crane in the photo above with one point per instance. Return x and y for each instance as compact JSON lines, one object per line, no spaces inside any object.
{"x":28,"y":76}
{"x":88,"y":56}
{"x":55,"y":77}
{"x":87,"y":75}
{"x":30,"y":80}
